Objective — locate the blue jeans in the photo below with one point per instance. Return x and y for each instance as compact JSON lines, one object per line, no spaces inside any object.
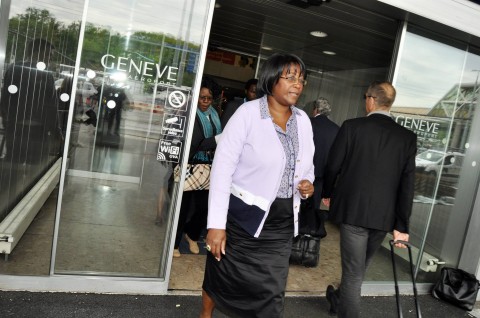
{"x":357,"y":247}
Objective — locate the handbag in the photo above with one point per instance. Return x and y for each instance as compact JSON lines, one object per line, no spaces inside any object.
{"x":312,"y":220}
{"x":457,"y":287}
{"x":306,"y":246}
{"x":305,"y":250}
{"x":196,"y":178}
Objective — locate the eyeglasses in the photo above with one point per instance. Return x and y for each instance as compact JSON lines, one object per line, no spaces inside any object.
{"x":294,"y":80}
{"x":367,"y":96}
{"x":206,"y":98}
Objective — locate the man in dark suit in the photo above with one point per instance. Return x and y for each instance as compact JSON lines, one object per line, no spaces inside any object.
{"x":370,"y":181}
{"x":232,"y":106}
{"x":324,"y":132}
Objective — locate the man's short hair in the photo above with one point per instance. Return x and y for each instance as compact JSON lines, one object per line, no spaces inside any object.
{"x":322,"y":106}
{"x":250,"y":82}
{"x":384,"y":93}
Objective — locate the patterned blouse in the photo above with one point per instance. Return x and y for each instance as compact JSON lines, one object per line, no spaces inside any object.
{"x":289,"y":140}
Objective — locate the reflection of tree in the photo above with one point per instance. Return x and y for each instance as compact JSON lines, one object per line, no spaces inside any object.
{"x":25,"y":27}
{"x":148,"y":45}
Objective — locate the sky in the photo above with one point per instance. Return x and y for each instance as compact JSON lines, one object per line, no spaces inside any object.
{"x":128,"y":15}
{"x":429,"y":69}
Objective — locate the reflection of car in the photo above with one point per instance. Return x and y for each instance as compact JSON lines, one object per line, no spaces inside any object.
{"x":160,"y":99}
{"x":431,"y":161}
{"x":58,"y":83}
{"x":162,"y":95}
{"x":86,"y":89}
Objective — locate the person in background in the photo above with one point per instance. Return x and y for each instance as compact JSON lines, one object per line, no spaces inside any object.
{"x":324,"y":132}
{"x":262,"y":168}
{"x":206,"y":132}
{"x":232,"y":106}
{"x":370,"y":181}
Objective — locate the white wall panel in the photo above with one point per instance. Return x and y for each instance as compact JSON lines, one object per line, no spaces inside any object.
{"x":460,"y":14}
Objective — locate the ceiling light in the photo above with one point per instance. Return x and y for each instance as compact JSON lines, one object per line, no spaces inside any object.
{"x":329,"y":52}
{"x":267,"y":48}
{"x":319,"y":34}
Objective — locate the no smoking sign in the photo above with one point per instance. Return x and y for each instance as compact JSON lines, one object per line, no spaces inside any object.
{"x":177,"y":100}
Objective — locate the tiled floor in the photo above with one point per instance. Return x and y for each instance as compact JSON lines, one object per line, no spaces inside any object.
{"x":187,"y":270}
{"x":87,"y":243}
{"x":109,"y":228}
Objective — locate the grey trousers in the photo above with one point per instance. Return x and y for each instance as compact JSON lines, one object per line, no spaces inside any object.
{"x":357,"y":247}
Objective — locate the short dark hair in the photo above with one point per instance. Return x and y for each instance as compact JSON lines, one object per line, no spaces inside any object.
{"x":272,"y":69}
{"x":212,"y":85}
{"x":250,"y":82}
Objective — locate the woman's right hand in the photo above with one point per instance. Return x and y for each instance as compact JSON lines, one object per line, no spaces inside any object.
{"x":216,"y":240}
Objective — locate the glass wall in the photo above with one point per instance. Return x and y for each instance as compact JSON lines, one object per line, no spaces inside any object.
{"x":113,"y":81}
{"x":437,"y":82}
{"x":31,"y":135}
{"x":116,"y":212}
{"x":37,"y":39}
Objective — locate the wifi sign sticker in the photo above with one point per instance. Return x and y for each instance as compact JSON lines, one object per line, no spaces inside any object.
{"x":169,"y":150}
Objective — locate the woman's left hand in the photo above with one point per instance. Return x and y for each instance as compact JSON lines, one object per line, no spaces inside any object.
{"x":305,"y":188}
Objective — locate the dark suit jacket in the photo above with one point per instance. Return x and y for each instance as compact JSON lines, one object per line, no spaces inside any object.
{"x":324,"y":132}
{"x":370,"y":174}
{"x":230,"y":109}
{"x":199,"y":142}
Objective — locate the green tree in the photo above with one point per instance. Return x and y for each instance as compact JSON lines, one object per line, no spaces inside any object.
{"x":34,"y":23}
{"x":98,"y":41}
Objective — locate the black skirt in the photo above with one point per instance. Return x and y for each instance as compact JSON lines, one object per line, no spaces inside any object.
{"x":250,"y":279}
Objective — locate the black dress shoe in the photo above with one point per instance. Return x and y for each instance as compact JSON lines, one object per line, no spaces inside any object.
{"x":332,"y":299}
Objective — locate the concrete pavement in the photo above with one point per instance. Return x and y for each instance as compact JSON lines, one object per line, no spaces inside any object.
{"x":45,"y":305}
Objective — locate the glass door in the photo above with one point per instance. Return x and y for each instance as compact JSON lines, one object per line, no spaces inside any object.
{"x":437,"y":93}
{"x":129,"y":94}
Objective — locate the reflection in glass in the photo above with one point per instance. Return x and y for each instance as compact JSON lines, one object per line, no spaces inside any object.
{"x":437,"y":103}
{"x":117,"y":204}
{"x":115,"y":214}
{"x":31,"y":135}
